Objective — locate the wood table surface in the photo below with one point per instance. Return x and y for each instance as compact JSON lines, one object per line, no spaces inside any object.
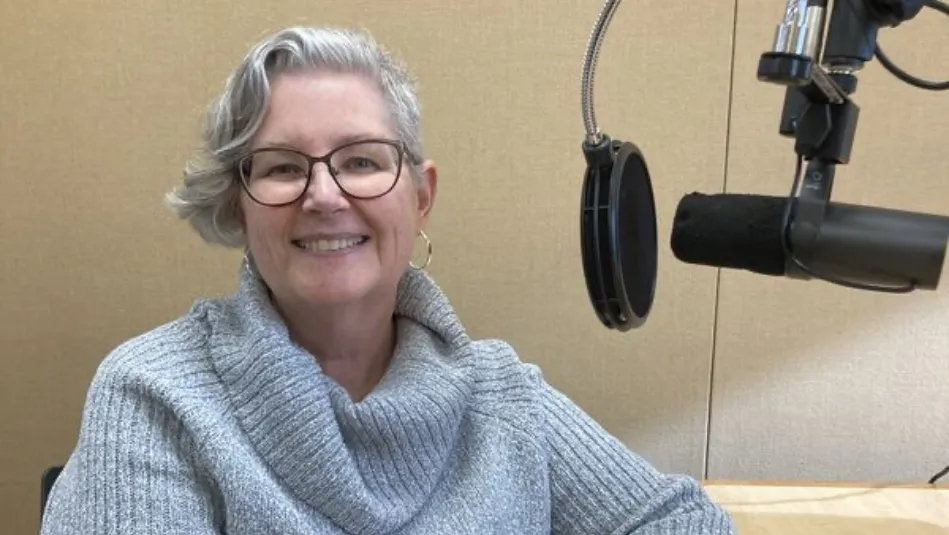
{"x":801,"y":508}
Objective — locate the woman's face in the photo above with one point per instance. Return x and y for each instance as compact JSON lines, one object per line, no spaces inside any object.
{"x":328,"y":248}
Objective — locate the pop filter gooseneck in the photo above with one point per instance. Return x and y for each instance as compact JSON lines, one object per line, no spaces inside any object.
{"x":618,"y":234}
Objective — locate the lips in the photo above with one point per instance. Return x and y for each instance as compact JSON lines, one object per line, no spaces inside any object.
{"x":330,"y":244}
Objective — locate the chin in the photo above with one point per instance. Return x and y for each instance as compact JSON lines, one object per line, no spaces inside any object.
{"x":336,"y":288}
{"x":334,"y":297}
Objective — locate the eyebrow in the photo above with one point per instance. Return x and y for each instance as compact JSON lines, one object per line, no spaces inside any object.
{"x":295,"y":142}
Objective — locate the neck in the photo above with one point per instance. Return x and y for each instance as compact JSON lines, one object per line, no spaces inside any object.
{"x":352,"y":343}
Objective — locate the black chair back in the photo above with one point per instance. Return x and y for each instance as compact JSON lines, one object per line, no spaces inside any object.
{"x":46,"y":485}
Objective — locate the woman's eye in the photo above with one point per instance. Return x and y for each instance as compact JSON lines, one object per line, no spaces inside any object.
{"x":285,"y":170}
{"x":361,"y":164}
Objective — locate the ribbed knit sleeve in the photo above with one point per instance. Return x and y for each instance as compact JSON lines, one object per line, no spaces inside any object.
{"x":132,"y":471}
{"x":600,"y":487}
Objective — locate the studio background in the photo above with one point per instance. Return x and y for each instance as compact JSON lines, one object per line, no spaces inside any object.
{"x":734,"y":376}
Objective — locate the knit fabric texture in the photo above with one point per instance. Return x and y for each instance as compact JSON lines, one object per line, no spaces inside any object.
{"x":218,"y":423}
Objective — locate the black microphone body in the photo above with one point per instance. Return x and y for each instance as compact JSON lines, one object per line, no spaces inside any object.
{"x":862,"y":244}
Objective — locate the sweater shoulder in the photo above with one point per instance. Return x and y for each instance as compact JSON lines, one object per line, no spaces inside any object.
{"x":167,"y":358}
{"x":495,"y":362}
{"x":505,"y":387}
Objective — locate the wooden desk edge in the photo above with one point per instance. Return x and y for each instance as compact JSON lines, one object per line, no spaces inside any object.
{"x":837,"y":484}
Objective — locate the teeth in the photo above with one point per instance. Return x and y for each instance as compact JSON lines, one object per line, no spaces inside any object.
{"x":330,"y":245}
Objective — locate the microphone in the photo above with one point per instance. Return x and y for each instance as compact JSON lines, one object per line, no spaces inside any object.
{"x":805,"y":235}
{"x":816,"y":54}
{"x":857,"y":246}
{"x":737,"y":231}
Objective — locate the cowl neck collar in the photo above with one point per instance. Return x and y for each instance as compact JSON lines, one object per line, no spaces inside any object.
{"x":368,"y":466}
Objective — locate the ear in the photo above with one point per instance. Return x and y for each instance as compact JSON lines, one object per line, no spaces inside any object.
{"x":426,"y":189}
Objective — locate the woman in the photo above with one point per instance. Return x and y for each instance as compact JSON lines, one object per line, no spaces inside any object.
{"x":336,"y":391}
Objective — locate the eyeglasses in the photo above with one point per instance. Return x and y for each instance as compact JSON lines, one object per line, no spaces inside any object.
{"x":363,"y":169}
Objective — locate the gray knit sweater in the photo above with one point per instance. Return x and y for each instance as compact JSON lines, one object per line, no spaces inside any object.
{"x":217,"y":423}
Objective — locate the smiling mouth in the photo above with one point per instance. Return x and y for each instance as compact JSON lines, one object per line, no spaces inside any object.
{"x":331,"y":246}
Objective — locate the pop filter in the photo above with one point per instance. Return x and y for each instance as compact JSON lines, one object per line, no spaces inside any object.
{"x":619,"y":241}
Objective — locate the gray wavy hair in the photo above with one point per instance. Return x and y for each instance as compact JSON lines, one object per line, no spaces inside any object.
{"x":208,"y":197}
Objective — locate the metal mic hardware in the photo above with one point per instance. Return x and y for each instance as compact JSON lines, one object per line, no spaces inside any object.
{"x":815,"y":55}
{"x":860,"y":247}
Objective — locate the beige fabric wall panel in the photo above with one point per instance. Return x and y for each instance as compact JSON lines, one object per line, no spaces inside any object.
{"x":101,"y":104}
{"x":813,"y":381}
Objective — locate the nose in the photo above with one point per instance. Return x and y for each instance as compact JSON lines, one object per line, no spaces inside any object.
{"x":323,"y":195}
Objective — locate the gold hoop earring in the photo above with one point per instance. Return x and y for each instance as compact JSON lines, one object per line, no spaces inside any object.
{"x":428,"y":256}
{"x":248,"y":263}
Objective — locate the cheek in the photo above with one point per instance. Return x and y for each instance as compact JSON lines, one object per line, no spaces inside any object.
{"x":252,"y":223}
{"x":405,"y":241}
{"x":263,"y":226}
{"x":396,"y":227}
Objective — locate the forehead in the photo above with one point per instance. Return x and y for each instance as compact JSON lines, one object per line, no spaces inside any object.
{"x":316,"y":111}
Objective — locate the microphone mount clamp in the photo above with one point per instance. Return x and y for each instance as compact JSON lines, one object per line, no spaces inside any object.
{"x":818,"y":112}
